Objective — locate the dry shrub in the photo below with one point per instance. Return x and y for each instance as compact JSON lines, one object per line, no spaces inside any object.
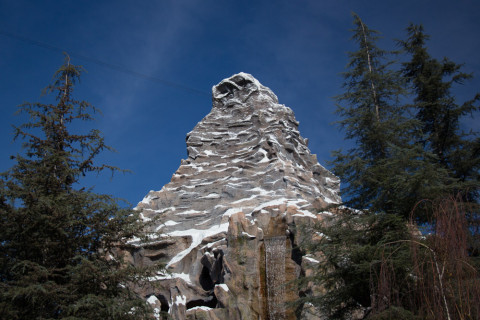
{"x":443,"y":283}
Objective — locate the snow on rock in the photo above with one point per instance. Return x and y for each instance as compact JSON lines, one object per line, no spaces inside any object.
{"x":200,"y":308}
{"x":155,"y":304}
{"x":223,"y":286}
{"x":247,"y":151}
{"x":152,"y":300}
{"x":162,"y":276}
{"x":246,"y":163}
{"x":180,"y":300}
{"x":197,"y":236}
{"x":311,"y":259}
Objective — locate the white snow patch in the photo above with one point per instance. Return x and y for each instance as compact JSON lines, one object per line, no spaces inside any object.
{"x":328,"y":213}
{"x":164,"y":210}
{"x":156,"y":313}
{"x":323,"y":235}
{"x":203,"y":222}
{"x":248,"y":235}
{"x":223,"y":286}
{"x":147,"y":198}
{"x":197,"y":236}
{"x":190,"y":212}
{"x":211,"y":196}
{"x":328,"y":200}
{"x":220,"y":165}
{"x":237,"y":160}
{"x":145,"y":219}
{"x":265,"y":158}
{"x":305,"y":213}
{"x":262,"y":191}
{"x":221,"y":170}
{"x":328,"y":180}
{"x":211,"y":244}
{"x":162,"y":276}
{"x":232,"y":211}
{"x":181,"y":300}
{"x":200,"y":308}
{"x":198,"y":168}
{"x":275,"y":202}
{"x":253,"y":196}
{"x":311,"y":259}
{"x":152,"y":299}
{"x":133,"y":240}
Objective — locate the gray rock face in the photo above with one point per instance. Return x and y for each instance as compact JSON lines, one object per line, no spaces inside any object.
{"x":249,"y":175}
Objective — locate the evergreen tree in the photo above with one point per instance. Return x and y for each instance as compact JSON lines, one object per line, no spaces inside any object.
{"x":352,"y":246}
{"x":440,"y":116}
{"x":384,"y":171}
{"x":381,"y":176}
{"x":366,"y":106}
{"x":367,"y":257}
{"x":57,"y":240}
{"x":439,"y":113}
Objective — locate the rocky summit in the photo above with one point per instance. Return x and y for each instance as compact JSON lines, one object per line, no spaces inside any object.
{"x":226,"y":225}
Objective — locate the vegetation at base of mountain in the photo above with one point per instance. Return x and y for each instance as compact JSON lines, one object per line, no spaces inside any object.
{"x":412,"y":250}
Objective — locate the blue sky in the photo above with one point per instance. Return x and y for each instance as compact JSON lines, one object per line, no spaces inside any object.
{"x":297,"y":48}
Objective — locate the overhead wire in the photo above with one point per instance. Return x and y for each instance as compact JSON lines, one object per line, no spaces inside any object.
{"x":105,"y":64}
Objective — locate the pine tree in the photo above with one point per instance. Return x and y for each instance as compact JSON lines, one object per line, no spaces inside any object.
{"x":366,"y":106}
{"x":380,"y":174}
{"x":367,"y":259}
{"x":384,"y":171}
{"x":352,"y":248}
{"x":58,"y":240}
{"x":439,"y":113}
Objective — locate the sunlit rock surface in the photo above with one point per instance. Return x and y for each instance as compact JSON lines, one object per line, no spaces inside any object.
{"x":249,"y":177}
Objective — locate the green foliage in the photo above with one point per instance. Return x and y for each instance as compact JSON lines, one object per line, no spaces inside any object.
{"x":385,"y":170}
{"x":403,"y":153}
{"x":59,"y":242}
{"x":439,"y":113}
{"x":351,"y":245}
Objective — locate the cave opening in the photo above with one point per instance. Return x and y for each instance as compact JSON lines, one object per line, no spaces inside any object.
{"x":205,"y":280}
{"x":297,"y":253}
{"x":164,"y":307}
{"x":211,"y":302}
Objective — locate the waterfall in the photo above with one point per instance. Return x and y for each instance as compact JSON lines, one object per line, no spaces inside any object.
{"x":275,"y":274}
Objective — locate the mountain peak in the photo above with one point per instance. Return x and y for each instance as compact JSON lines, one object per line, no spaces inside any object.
{"x":234,"y":205}
{"x":247,"y":151}
{"x":240,"y":86}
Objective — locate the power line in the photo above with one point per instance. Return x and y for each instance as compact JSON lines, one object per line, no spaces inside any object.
{"x":106,"y":64}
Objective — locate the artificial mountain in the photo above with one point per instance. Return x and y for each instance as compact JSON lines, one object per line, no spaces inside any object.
{"x":228,"y":221}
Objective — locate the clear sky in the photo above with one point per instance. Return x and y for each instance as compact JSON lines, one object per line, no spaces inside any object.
{"x":296,"y":48}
